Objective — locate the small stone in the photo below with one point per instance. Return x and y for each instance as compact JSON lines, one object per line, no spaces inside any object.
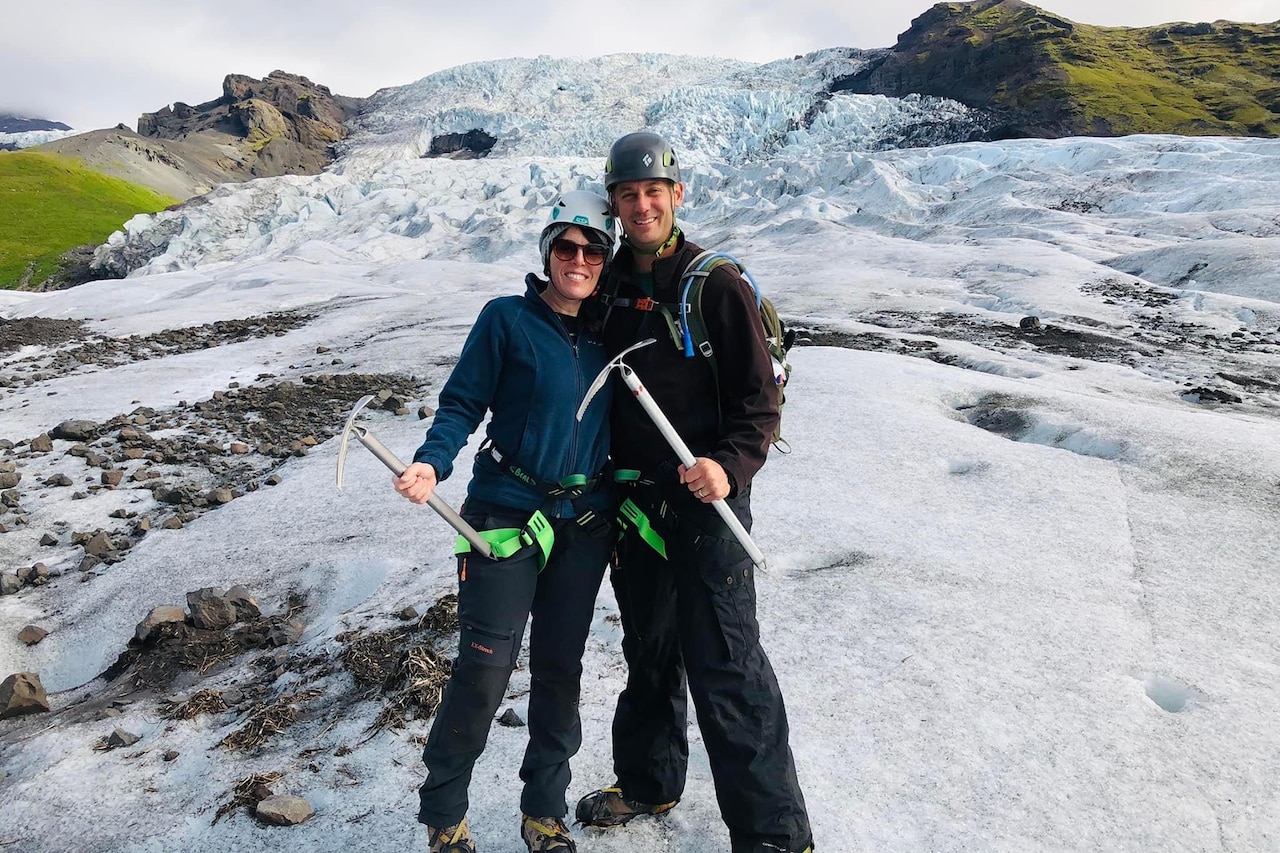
{"x":407,"y":613}
{"x":41,"y":443}
{"x":163,"y":615}
{"x":243,"y":603}
{"x":321,"y":350}
{"x":22,"y":693}
{"x":75,"y":430}
{"x":285,"y":633}
{"x":238,"y":448}
{"x":112,"y":478}
{"x":274,"y":480}
{"x":172,"y":523}
{"x":48,"y":539}
{"x":510,"y":719}
{"x":9,"y":583}
{"x":425,"y":412}
{"x":220,"y":496}
{"x":99,"y":544}
{"x":10,"y":479}
{"x":120,"y":737}
{"x":170,"y":755}
{"x":89,"y":563}
{"x":32,"y":634}
{"x":284,"y":810}
{"x":1029,"y":324}
{"x":36,"y":575}
{"x":210,"y":610}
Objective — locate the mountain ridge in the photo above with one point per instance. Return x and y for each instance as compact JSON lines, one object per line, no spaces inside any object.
{"x":1050,"y":77}
{"x":283,"y":124}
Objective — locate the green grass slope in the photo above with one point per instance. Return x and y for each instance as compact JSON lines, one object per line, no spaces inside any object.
{"x":1056,"y":77}
{"x":50,"y":204}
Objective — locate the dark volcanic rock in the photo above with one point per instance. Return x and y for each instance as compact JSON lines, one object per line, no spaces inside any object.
{"x":461,"y":146}
{"x":288,"y":123}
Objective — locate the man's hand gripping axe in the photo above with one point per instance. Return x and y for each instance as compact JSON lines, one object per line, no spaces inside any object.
{"x":397,"y":467}
{"x":673,"y":438}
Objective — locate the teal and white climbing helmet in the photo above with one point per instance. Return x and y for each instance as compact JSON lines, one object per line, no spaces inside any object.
{"x":584,"y":209}
{"x":588,"y":211}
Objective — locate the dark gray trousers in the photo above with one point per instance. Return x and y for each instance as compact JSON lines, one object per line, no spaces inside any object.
{"x":691,"y":618}
{"x":495,"y":599}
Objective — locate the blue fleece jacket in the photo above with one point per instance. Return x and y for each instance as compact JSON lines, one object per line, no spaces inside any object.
{"x":519,"y":363}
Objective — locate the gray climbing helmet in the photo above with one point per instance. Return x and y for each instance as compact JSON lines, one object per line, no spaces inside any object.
{"x":640,"y":156}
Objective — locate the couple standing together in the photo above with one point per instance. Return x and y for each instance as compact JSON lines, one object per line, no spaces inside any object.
{"x":545,"y":489}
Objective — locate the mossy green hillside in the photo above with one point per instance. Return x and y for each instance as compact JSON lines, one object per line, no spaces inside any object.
{"x":1221,"y":78}
{"x":1049,"y":76}
{"x":49,"y":204}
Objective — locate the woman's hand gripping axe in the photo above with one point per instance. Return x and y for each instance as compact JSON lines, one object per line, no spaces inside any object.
{"x":397,"y":467}
{"x":673,"y":438}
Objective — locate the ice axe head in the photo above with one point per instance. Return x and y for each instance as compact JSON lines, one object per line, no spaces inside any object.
{"x":347,"y":431}
{"x":603,"y":376}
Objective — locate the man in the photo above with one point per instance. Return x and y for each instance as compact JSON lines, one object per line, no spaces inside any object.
{"x":688,"y":599}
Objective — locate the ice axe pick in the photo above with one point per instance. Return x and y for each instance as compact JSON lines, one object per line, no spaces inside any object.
{"x":673,"y":438}
{"x":386,"y":457}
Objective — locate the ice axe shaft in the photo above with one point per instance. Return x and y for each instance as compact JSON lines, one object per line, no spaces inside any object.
{"x":386,"y":457}
{"x":673,"y":438}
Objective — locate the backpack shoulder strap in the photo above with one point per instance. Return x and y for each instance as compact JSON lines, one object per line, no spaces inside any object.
{"x":692,"y":321}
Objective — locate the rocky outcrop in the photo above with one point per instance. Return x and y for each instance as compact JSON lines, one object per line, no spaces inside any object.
{"x":281,"y":125}
{"x":286,"y":123}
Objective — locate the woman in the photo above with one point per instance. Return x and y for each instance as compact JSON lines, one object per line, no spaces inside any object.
{"x":528,"y":360}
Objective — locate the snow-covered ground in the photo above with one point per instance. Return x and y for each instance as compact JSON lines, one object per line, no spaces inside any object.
{"x":1022,"y":589}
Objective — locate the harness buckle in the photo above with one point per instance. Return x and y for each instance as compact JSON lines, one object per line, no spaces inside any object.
{"x":645,"y":303}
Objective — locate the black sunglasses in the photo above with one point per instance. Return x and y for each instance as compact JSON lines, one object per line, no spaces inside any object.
{"x":567,"y":250}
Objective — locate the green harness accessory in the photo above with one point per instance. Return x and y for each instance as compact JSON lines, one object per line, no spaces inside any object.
{"x":506,"y":541}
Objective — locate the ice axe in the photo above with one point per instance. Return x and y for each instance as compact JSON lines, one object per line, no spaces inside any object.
{"x":386,"y":457}
{"x":673,"y":438}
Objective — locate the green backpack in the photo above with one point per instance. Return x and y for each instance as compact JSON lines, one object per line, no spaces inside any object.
{"x":689,"y":330}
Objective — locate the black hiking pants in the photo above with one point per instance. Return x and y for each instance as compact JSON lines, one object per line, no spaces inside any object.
{"x":691,"y":618}
{"x":495,"y":599}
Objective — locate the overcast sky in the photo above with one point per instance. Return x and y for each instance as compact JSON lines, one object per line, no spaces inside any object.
{"x":91,"y":64}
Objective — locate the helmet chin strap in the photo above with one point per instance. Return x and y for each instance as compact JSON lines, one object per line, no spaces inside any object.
{"x":670,"y":241}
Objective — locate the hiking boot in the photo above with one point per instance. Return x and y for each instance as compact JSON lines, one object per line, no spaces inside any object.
{"x":546,"y":835}
{"x":451,"y":839}
{"x":608,"y":807}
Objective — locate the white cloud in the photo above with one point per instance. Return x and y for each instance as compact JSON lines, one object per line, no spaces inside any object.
{"x":94,"y":64}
